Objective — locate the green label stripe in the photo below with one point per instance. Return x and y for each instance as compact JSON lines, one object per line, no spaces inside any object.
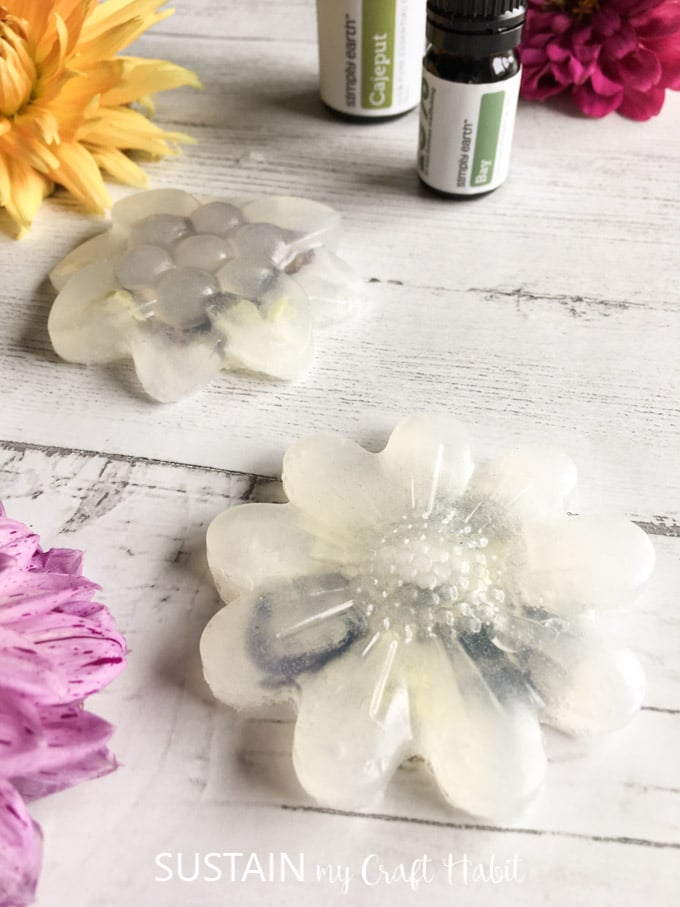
{"x":377,"y":53}
{"x":488,"y":128}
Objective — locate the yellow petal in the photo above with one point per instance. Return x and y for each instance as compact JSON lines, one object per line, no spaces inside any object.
{"x":78,"y":173}
{"x":21,"y":190}
{"x":24,"y":143}
{"x":109,"y":42}
{"x":121,"y":127}
{"x":142,"y":77}
{"x":114,"y":12}
{"x":119,"y":166}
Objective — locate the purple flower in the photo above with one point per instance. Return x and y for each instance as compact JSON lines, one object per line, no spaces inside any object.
{"x":57,"y":647}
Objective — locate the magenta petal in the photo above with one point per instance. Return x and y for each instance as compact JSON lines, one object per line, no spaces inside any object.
{"x":640,"y":71}
{"x":88,"y":656}
{"x":622,"y":43}
{"x":604,"y":86}
{"x":20,"y":850}
{"x":20,"y":734}
{"x":665,"y":20}
{"x":667,"y":51}
{"x":638,"y":105}
{"x":593,"y":104}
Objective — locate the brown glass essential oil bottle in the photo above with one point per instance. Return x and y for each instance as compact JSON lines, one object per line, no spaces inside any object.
{"x":470,"y":87}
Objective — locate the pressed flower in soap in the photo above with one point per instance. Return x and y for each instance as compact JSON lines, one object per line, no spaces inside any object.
{"x":414,"y":602}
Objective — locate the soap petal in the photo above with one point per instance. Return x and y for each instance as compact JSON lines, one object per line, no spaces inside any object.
{"x":339,"y":485}
{"x":587,"y":685}
{"x":528,"y":482}
{"x":428,"y":460}
{"x":311,"y":223}
{"x":229,"y":667}
{"x":487,"y":757}
{"x":335,"y":291}
{"x":134,"y":208}
{"x":300,"y":625}
{"x":265,"y":320}
{"x":253,"y":543}
{"x":89,"y":321}
{"x":99,"y":248}
{"x":354,"y":725}
{"x":169,"y":369}
{"x":576,"y":563}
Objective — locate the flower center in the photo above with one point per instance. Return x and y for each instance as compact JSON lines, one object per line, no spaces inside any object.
{"x":429,"y":572}
{"x":579,"y":9}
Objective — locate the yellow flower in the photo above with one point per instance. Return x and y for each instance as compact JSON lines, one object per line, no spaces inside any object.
{"x":65,"y":96}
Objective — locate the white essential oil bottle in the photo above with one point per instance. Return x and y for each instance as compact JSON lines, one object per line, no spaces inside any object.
{"x":370,"y":55}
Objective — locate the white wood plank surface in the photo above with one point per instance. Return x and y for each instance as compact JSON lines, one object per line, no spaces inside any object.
{"x":549,"y":310}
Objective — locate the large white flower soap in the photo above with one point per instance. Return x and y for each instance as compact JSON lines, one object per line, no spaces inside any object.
{"x":411,"y":602}
{"x":187,"y":288}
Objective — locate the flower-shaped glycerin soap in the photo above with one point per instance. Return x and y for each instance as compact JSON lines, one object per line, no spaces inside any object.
{"x":187,"y":288}
{"x":412,"y":603}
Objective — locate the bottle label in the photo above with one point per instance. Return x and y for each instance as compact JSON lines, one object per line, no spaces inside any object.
{"x":370,"y":54}
{"x":466,"y":133}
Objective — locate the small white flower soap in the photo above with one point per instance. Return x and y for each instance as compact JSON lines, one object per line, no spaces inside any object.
{"x":412,"y":602}
{"x":187,"y":288}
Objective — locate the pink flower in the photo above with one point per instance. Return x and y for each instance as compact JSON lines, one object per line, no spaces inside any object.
{"x":57,"y":647}
{"x":609,"y":54}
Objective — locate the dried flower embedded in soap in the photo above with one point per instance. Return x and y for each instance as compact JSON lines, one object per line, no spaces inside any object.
{"x":188,"y":288}
{"x":413,"y":603}
{"x":57,"y":646}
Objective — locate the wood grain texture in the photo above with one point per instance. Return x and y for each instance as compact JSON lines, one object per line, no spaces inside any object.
{"x":547,"y":311}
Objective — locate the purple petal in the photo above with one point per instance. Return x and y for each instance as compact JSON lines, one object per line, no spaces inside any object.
{"x":95,"y":612}
{"x":20,"y":850}
{"x":88,"y":655}
{"x":16,"y":544}
{"x":59,"y":560}
{"x":94,"y":765}
{"x":70,"y":734}
{"x":25,"y":593}
{"x":20,"y":734}
{"x":24,"y":671}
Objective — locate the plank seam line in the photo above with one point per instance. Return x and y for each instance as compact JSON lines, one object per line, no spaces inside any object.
{"x":133,"y":459}
{"x":669,"y":529}
{"x":437,"y":823}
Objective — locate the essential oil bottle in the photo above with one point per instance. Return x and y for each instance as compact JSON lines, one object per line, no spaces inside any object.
{"x":470,"y":86}
{"x":370,"y":55}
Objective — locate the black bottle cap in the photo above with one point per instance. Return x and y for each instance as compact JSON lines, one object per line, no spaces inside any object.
{"x":475,"y":26}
